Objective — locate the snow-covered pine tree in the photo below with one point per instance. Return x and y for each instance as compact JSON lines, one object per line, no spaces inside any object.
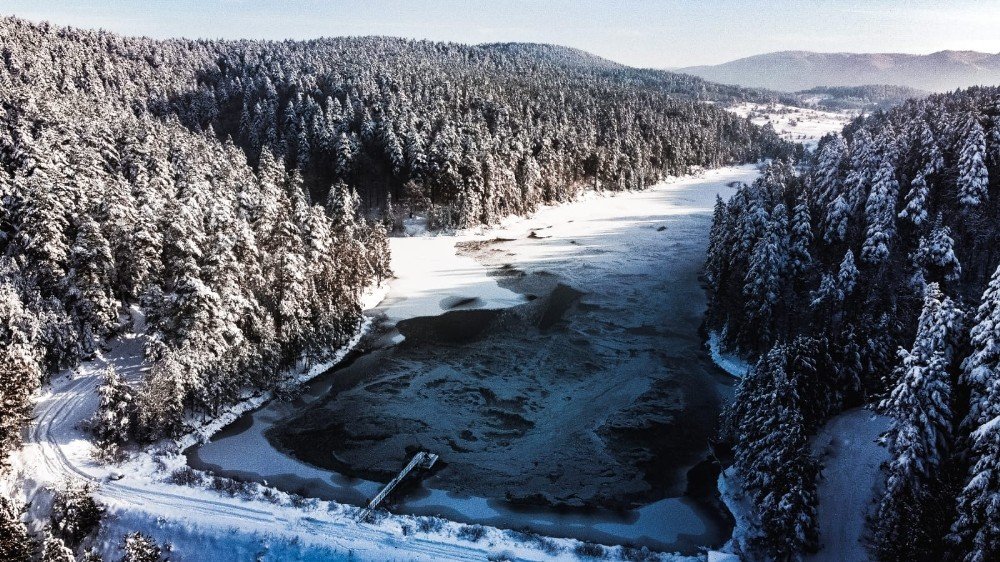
{"x":55,"y":550}
{"x":973,"y":177}
{"x":827,"y":173}
{"x":345,"y":156}
{"x":935,"y":259}
{"x":139,"y":547}
{"x":908,"y":525}
{"x":15,"y":542}
{"x":75,"y":513}
{"x":980,"y":368}
{"x":21,"y":366}
{"x":716,"y":243}
{"x":772,"y":456}
{"x":930,"y":152}
{"x":801,"y":238}
{"x":847,"y":276}
{"x":915,"y":206}
{"x":864,"y":165}
{"x":837,"y":215}
{"x":976,"y":531}
{"x":880,"y":214}
{"x":92,"y":276}
{"x":766,"y":269}
{"x":113,"y":423}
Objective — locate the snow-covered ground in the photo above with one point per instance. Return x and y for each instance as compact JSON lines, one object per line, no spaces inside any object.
{"x":197,"y":521}
{"x":427,"y":270}
{"x":849,"y":483}
{"x":795,"y":124}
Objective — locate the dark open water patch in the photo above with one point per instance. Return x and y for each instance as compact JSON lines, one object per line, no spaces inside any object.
{"x":455,"y":326}
{"x":451,"y":303}
{"x":560,"y":300}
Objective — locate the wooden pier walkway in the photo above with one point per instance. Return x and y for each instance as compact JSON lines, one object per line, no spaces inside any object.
{"x":422,"y":459}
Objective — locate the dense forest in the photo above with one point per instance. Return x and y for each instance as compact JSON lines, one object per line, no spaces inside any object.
{"x":868,"y":274}
{"x":476,"y":132}
{"x":853,"y":98}
{"x":231,"y":199}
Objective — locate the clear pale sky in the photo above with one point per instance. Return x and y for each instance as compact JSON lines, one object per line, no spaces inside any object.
{"x":648,"y":33}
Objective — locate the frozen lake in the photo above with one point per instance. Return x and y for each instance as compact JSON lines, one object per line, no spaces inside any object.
{"x":554,"y":364}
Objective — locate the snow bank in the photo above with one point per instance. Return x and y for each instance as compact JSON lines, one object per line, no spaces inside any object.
{"x":205,"y":431}
{"x":731,"y":491}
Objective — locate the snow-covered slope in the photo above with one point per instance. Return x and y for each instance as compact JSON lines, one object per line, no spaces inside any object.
{"x":792,"y":71}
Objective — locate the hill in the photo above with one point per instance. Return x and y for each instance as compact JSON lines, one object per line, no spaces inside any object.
{"x":802,"y":70}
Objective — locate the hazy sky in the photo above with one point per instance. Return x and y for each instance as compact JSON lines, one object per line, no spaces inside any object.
{"x":642,"y":33}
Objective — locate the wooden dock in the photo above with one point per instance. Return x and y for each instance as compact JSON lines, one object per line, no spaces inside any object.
{"x":422,"y":460}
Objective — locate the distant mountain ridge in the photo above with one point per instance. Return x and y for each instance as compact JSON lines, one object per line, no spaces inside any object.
{"x":801,"y":70}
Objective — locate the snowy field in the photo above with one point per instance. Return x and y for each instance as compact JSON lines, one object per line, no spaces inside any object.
{"x":433,"y":276}
{"x":795,"y":124}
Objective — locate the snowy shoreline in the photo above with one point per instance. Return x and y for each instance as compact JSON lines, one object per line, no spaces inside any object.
{"x":207,"y":430}
{"x":731,"y":363}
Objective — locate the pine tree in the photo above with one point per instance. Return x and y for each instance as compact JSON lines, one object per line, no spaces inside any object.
{"x":847,"y":275}
{"x":139,"y":547}
{"x":15,"y":543}
{"x":920,"y":438}
{"x":864,"y":165}
{"x":765,"y":272}
{"x":55,"y":550}
{"x":827,"y":172}
{"x":973,"y":178}
{"x":930,"y":152}
{"x":801,"y":239}
{"x":915,"y":208}
{"x":772,"y":457}
{"x":344,"y":156}
{"x":92,"y":276}
{"x":21,"y":367}
{"x":112,"y":422}
{"x":716,"y":244}
{"x":980,"y":367}
{"x":935,"y":258}
{"x":880,"y":215}
{"x":75,"y":513}
{"x":837,"y":215}
{"x":976,"y":531}
{"x":44,"y":226}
